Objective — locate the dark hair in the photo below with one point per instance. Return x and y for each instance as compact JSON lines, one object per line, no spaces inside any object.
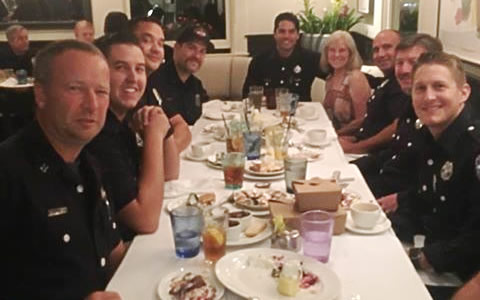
{"x":451,"y":62}
{"x":286,"y":16}
{"x":151,"y":19}
{"x":115,"y":21}
{"x":42,"y":70}
{"x":106,"y":42}
{"x":424,"y":40}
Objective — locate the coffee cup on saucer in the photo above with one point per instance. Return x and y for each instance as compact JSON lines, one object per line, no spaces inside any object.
{"x":200,"y":149}
{"x":365,"y":215}
{"x":316,"y":136}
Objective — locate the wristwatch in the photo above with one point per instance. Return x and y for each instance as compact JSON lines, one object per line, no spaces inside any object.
{"x":415,"y":254}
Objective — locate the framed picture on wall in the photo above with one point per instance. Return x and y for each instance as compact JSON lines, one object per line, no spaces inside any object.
{"x":49,"y":14}
{"x":459,"y":28}
{"x":363,"y":6}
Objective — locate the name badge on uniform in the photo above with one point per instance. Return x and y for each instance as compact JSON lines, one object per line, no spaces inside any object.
{"x":198,"y":101}
{"x":297,"y":69}
{"x":446,"y":171}
{"x":477,"y":166}
{"x":58,"y":211}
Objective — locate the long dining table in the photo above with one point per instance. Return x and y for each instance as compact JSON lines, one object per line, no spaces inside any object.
{"x":370,"y":267}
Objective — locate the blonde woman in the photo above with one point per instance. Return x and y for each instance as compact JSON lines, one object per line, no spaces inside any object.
{"x":347,"y":88}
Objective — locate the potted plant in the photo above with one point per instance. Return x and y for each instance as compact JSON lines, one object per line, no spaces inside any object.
{"x":314,"y":28}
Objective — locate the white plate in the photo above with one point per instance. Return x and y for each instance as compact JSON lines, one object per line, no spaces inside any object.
{"x":212,"y":162}
{"x":252,"y":177}
{"x":12,"y":83}
{"x":383,"y":225}
{"x":164,"y":285}
{"x":234,"y":273}
{"x":311,"y":118}
{"x":216,"y":115}
{"x":266,"y":233}
{"x":263,"y":174}
{"x":321,"y":144}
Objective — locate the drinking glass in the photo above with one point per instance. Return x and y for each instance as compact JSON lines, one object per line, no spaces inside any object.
{"x":255,"y":96}
{"x":233,"y":167}
{"x":295,"y":169}
{"x":187,"y":224}
{"x":214,"y":233}
{"x":234,"y":141}
{"x":316,"y":229}
{"x":252,"y":143}
{"x":283,"y":106}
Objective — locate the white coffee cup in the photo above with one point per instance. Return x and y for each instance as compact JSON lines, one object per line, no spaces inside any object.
{"x":200,"y":149}
{"x":316,"y":135}
{"x":234,"y":230}
{"x":365,"y":214}
{"x":306,"y":112}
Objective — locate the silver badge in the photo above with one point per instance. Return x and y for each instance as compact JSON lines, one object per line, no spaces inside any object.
{"x":58,"y":211}
{"x":297,"y":69}
{"x":477,"y":166}
{"x":447,"y":170}
{"x":418,"y":124}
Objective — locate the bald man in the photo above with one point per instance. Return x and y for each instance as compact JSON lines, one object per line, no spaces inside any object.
{"x":84,"y":31}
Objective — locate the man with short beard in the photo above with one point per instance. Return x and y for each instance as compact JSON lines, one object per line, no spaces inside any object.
{"x":181,"y":91}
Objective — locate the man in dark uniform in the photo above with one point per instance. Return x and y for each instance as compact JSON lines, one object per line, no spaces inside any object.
{"x":183,"y":93}
{"x":443,"y":204}
{"x":151,"y":38}
{"x":383,"y":107}
{"x":57,"y":217}
{"x":16,"y":55}
{"x":134,"y":176}
{"x":288,"y":65}
{"x":407,"y":52}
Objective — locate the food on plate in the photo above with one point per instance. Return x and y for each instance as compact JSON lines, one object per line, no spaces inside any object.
{"x":206,"y":199}
{"x":348,"y":198}
{"x":255,"y":227}
{"x":265,"y":166}
{"x":190,"y":286}
{"x":274,"y":265}
{"x":258,"y":199}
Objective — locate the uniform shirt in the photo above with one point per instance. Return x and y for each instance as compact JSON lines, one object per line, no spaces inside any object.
{"x":56,"y":224}
{"x":9,"y":60}
{"x":444,"y":204}
{"x":178,"y":97}
{"x":296,"y":72}
{"x":118,"y":155}
{"x":383,"y":107}
{"x":390,"y":170}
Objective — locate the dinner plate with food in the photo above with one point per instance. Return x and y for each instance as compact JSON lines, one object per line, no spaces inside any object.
{"x":189,"y":284}
{"x":244,"y":229}
{"x":264,"y":168}
{"x":202,"y":200}
{"x":257,"y":200}
{"x":275,"y":274}
{"x":215,"y":160}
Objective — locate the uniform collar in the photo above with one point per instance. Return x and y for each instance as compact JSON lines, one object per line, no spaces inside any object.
{"x":40,"y":152}
{"x":450,"y":137}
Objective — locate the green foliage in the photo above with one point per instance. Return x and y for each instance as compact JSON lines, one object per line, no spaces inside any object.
{"x":340,"y":17}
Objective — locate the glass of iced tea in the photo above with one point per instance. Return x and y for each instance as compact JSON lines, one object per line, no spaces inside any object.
{"x":234,"y":141}
{"x":233,"y":167}
{"x":214,"y":233}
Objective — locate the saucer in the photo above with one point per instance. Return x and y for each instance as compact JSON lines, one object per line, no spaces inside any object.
{"x":321,"y":144}
{"x":308,"y":118}
{"x":189,"y":155}
{"x":383,"y":225}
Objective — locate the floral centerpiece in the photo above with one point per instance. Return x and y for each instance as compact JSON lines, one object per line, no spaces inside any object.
{"x":339,"y":17}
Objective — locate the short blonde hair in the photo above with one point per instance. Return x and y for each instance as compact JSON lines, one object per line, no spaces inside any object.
{"x":354,"y":61}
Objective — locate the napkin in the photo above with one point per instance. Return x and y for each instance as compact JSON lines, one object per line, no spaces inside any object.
{"x":183,"y":187}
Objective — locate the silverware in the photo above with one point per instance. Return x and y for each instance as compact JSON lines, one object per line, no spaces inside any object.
{"x":157,"y":96}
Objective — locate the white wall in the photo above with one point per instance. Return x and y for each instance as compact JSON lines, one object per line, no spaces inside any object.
{"x":100,"y":8}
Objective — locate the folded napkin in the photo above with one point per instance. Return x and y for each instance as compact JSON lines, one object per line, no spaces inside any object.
{"x":183,"y":187}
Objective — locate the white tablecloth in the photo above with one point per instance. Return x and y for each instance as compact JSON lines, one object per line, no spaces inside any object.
{"x":369,"y":267}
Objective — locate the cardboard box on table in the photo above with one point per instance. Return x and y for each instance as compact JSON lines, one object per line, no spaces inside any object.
{"x":316,"y":193}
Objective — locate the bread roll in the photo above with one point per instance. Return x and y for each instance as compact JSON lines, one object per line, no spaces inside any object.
{"x":255,"y":227}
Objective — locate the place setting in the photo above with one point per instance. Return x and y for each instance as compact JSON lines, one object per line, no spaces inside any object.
{"x":316,"y":138}
{"x":199,"y":151}
{"x":367,"y":218}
